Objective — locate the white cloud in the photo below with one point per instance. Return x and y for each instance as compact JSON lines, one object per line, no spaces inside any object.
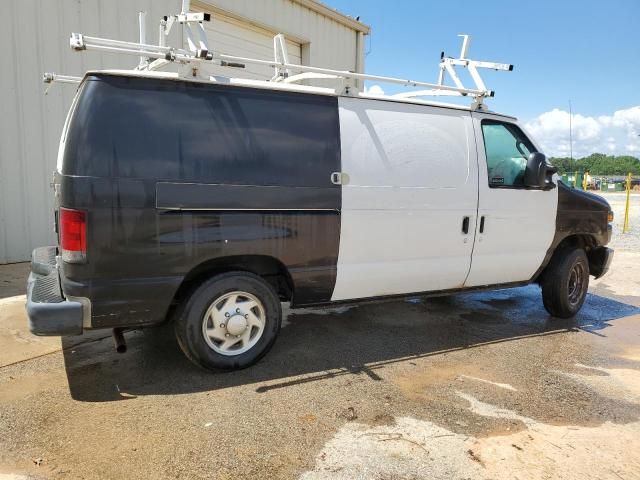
{"x":374,"y":90}
{"x":616,"y":134}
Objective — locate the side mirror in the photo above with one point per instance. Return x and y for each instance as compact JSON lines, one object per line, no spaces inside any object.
{"x":539,"y":173}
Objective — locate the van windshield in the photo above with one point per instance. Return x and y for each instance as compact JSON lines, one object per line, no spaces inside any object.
{"x":172,"y":130}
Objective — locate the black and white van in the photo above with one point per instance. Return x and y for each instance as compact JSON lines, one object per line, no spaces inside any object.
{"x":209,"y":203}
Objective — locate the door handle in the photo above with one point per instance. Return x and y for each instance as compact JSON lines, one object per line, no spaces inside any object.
{"x":465,"y":225}
{"x":482,"y":224}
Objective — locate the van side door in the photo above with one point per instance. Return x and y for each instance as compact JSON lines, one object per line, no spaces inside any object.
{"x":409,"y":198}
{"x":516,"y":224}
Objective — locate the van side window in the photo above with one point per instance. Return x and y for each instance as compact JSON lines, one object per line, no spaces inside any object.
{"x":202,"y":133}
{"x":507,"y":150}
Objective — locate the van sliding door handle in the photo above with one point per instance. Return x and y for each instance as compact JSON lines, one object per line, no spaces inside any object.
{"x":482,"y":224}
{"x":465,"y":225}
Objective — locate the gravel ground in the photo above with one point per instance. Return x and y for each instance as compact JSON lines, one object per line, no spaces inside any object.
{"x":479,"y":385}
{"x":629,"y":241}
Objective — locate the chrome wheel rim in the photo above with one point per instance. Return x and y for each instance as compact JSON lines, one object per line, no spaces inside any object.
{"x":576,"y":283}
{"x":233,"y":323}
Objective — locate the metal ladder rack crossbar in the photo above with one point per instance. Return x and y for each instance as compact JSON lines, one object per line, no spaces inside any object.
{"x":199,"y":52}
{"x":81,"y":42}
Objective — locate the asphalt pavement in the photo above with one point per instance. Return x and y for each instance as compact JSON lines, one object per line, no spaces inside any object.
{"x":477,"y":385}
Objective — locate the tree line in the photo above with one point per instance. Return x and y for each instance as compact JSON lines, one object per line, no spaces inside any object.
{"x":598,"y":164}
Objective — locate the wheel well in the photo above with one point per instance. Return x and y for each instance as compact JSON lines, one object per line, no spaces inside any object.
{"x":269,"y":268}
{"x":586,"y":242}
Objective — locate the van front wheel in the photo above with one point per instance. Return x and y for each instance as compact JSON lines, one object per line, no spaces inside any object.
{"x":565,"y":283}
{"x":229,"y":322}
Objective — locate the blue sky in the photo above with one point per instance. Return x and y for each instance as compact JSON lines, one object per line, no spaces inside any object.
{"x":584,"y":51}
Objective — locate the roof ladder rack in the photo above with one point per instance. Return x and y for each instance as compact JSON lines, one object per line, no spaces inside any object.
{"x":447,"y":66}
{"x":154,"y":57}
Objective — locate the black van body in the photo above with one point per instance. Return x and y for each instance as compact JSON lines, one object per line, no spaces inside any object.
{"x":181,"y":181}
{"x":147,"y":187}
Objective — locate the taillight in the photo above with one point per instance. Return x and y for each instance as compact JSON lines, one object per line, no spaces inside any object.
{"x":73,"y":235}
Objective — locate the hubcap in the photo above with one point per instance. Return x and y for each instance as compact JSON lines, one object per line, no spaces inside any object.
{"x":576,"y":283}
{"x":233,"y":323}
{"x":237,"y":325}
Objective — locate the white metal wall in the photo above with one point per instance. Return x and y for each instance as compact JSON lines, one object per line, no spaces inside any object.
{"x":35,"y":40}
{"x":324,"y":41}
{"x":235,"y":37}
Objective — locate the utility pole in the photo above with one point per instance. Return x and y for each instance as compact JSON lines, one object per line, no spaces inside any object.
{"x":570,"y":134}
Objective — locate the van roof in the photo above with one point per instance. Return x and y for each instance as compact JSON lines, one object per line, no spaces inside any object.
{"x":266,"y":85}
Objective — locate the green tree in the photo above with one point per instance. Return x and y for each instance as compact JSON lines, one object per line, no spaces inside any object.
{"x":599,"y":164}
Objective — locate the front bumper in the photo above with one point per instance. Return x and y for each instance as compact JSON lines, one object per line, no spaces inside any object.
{"x":599,"y":261}
{"x":48,"y":311}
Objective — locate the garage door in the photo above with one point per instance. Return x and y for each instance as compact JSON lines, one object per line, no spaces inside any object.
{"x":234,"y":37}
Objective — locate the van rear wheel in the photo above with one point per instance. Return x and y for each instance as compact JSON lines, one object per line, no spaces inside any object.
{"x":229,"y":322}
{"x":565,"y":283}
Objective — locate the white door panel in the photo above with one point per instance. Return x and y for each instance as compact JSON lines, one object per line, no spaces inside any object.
{"x":410,"y":178}
{"x":388,"y":253}
{"x":519,"y":227}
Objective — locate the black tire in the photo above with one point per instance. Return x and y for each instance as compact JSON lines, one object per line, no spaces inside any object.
{"x":565,"y":283}
{"x":190,"y":316}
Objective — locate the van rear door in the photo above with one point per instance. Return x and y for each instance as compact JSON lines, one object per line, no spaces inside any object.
{"x":409,"y":198}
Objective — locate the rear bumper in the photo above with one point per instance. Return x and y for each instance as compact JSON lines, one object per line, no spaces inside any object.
{"x":599,"y":261}
{"x":48,"y":311}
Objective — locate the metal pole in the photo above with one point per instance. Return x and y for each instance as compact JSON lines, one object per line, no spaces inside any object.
{"x":161,"y":35}
{"x":142,"y":23}
{"x":625,"y":228}
{"x":570,"y":134}
{"x":465,"y":46}
{"x":54,"y":77}
{"x":360,"y":59}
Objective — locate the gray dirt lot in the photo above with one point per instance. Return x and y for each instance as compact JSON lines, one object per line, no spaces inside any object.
{"x":631,"y":240}
{"x":479,"y":385}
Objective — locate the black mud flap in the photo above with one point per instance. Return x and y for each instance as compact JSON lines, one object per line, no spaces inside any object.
{"x":599,"y":261}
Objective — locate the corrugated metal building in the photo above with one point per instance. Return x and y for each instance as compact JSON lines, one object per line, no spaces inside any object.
{"x":35,"y":40}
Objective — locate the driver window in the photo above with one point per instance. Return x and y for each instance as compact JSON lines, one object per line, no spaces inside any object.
{"x":507,"y":151}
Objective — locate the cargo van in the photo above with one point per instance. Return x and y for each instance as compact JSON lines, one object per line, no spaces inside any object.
{"x":208,"y":203}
